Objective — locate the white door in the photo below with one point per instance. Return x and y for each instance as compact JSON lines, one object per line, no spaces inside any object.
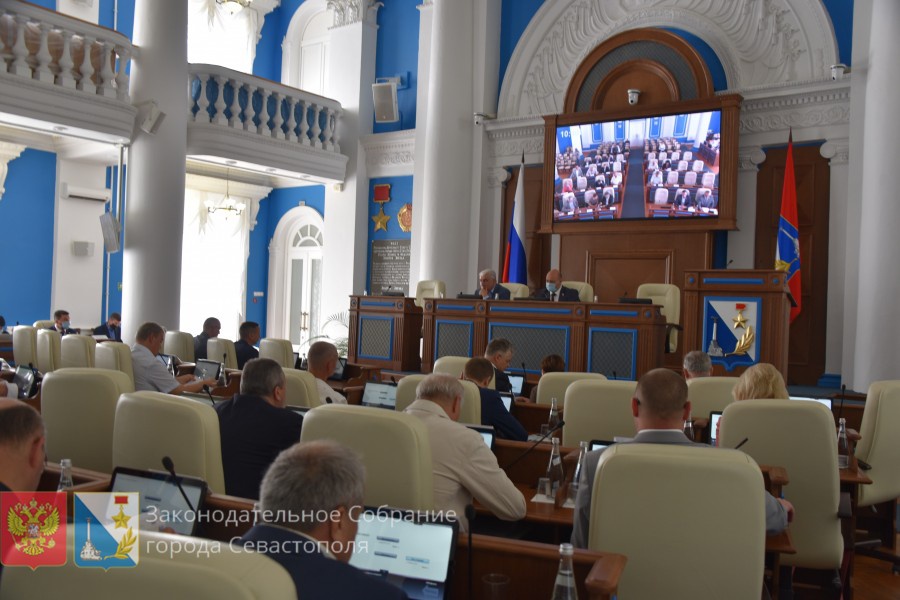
{"x":305,"y":285}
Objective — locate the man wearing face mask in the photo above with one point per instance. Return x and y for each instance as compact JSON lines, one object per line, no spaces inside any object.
{"x":555,"y":291}
{"x":61,"y":323}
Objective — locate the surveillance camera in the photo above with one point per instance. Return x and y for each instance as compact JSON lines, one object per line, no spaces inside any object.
{"x":632,"y":100}
{"x":478,"y":118}
{"x":837,"y":71}
{"x":633,"y":95}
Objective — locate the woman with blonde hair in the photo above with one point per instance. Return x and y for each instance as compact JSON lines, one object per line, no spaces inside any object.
{"x":761,"y":381}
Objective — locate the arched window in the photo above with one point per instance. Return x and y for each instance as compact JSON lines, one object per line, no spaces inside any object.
{"x":305,"y":49}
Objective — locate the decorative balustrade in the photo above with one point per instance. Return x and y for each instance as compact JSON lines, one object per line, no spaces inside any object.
{"x":238,"y":101}
{"x":46,"y":46}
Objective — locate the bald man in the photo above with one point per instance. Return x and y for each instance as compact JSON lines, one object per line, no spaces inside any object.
{"x":554,"y":291}
{"x":21,"y":446}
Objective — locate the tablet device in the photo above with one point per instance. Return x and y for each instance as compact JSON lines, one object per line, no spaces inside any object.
{"x":517,"y":382}
{"x":339,"y":370}
{"x":714,"y":417}
{"x":507,"y":400}
{"x":380,"y":395}
{"x":486,"y":432}
{"x":158,"y":489}
{"x":599,"y":445}
{"x":24,"y":380}
{"x":824,"y":401}
{"x":207,"y":369}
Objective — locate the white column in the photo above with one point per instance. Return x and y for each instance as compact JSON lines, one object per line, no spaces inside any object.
{"x":838,"y":153}
{"x":877,"y":317}
{"x":351,"y":73}
{"x":426,"y":12}
{"x":741,"y":242}
{"x":444,"y":238}
{"x":154,"y":213}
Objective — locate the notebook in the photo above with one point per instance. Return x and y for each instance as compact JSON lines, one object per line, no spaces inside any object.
{"x":824,"y":401}
{"x":380,"y":395}
{"x":517,"y":382}
{"x":24,"y":380}
{"x":714,"y":417}
{"x":158,"y":489}
{"x":486,"y":432}
{"x":406,"y":550}
{"x":207,"y":369}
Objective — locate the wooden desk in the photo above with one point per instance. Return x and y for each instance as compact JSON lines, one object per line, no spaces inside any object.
{"x":532,"y":416}
{"x":527,"y":470}
{"x":385,"y":332}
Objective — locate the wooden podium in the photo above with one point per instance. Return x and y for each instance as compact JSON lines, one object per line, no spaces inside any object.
{"x":739,"y":317}
{"x":385,"y":332}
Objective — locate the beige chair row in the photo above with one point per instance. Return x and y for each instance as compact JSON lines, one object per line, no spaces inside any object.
{"x":47,"y":351}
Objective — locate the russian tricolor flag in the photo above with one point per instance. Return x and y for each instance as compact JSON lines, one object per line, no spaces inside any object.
{"x":514,"y":270}
{"x":787,"y":250}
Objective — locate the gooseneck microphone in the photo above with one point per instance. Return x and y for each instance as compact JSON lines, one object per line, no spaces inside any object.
{"x":743,"y":441}
{"x":553,"y":429}
{"x":211,"y":401}
{"x":841,"y":405}
{"x":470,"y":516}
{"x":524,"y":377}
{"x":170,"y":467}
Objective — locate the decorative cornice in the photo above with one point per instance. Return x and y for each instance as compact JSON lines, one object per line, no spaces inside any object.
{"x":510,"y":137}
{"x":348,"y":12}
{"x":810,"y":108}
{"x":390,"y":154}
{"x":837,"y":150}
{"x":8,"y":152}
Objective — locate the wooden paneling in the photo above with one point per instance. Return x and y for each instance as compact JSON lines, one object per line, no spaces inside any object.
{"x":656,"y":83}
{"x":616,"y":273}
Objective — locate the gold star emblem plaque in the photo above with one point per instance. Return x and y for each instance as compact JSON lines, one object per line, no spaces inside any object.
{"x":381,"y":219}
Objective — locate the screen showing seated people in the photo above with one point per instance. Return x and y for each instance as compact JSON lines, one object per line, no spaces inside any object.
{"x":658,"y":167}
{"x":413,"y":556}
{"x":161,"y":500}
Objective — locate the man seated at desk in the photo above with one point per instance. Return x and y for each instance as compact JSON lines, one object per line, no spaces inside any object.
{"x":479,"y":371}
{"x":150,"y":373}
{"x":321,"y":360}
{"x":244,"y":348}
{"x":463,"y":464}
{"x":554,"y":290}
{"x":696,"y":364}
{"x":499,"y":352}
{"x":211,"y":329}
{"x":112,"y":329}
{"x":488,"y":288}
{"x":660,"y":407}
{"x":61,"y":323}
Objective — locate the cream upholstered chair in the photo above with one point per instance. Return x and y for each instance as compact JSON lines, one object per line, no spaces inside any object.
{"x":180,"y":344}
{"x":690,"y":178}
{"x":48,"y":350}
{"x":450,"y":365}
{"x":554,"y":385}
{"x":724,"y":512}
{"x":585,"y":290}
{"x":668,"y":296}
{"x":25,"y":345}
{"x":222,"y":350}
{"x":517,"y":290}
{"x":281,"y":351}
{"x":301,"y":388}
{"x":470,"y":411}
{"x":799,"y":436}
{"x":150,"y":425}
{"x":708,"y":394}
{"x":79,"y":410}
{"x":406,"y":391}
{"x":394,"y":447}
{"x":43,"y":324}
{"x":598,"y":410}
{"x":115,"y":356}
{"x":429,"y":288}
{"x":201,"y":573}
{"x":77,"y":351}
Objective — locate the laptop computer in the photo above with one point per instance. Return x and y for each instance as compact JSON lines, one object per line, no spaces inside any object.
{"x":486,"y":432}
{"x":158,"y":489}
{"x":300,"y":410}
{"x":517,"y":382}
{"x":207,"y":369}
{"x":599,"y":445}
{"x":380,"y":395}
{"x":714,"y":417}
{"x":339,"y":370}
{"x":24,"y":380}
{"x":824,"y":401}
{"x":507,"y":400}
{"x":406,"y":550}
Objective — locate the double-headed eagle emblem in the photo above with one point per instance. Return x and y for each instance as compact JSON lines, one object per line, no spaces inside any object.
{"x":31,"y":526}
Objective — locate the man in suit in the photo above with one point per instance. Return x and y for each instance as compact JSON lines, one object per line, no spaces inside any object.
{"x":463,"y":464}
{"x":683,"y":198}
{"x":211,"y":329}
{"x":61,"y":323}
{"x":255,"y":427}
{"x":705,"y":199}
{"x":150,"y":374}
{"x":660,"y":407}
{"x":479,"y":371}
{"x":488,"y":288}
{"x":696,"y":364}
{"x":554,"y":290}
{"x":499,"y":352}
{"x":244,"y":348}
{"x":306,"y":483}
{"x":112,"y":328}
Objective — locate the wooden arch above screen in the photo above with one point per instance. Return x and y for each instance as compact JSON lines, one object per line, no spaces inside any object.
{"x":658,"y":63}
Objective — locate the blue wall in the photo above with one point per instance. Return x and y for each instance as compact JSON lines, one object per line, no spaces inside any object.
{"x":267,"y":62}
{"x":841,"y":12}
{"x":26,"y":244}
{"x":401,"y":193}
{"x":271,"y":209}
{"x":123,"y":22}
{"x":397,"y":53}
{"x":515,"y":15}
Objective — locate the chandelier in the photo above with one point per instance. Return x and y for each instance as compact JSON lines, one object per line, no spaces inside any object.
{"x":234,"y":6}
{"x":228,"y":204}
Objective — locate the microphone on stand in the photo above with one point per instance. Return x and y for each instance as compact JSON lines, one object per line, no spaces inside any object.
{"x":557,"y":427}
{"x":170,"y":467}
{"x":208,"y":393}
{"x":841,"y":405}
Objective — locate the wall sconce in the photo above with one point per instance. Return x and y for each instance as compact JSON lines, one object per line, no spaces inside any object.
{"x":838,"y":70}
{"x":228,"y":204}
{"x":633,"y":96}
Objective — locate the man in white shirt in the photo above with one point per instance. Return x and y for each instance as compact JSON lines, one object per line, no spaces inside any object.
{"x":463,"y":464}
{"x":321,"y":360}
{"x":150,"y":374}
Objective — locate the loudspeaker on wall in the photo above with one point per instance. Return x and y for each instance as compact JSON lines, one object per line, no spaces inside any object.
{"x":385,"y":97}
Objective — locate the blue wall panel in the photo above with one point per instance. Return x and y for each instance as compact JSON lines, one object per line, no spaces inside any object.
{"x":401,"y":193}
{"x":396,"y":53}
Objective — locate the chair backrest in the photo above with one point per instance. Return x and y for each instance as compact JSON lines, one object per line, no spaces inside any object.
{"x":801,"y":437}
{"x":201,"y":573}
{"x":879,"y":444}
{"x":688,"y":155}
{"x":25,"y":346}
{"x":517,"y":290}
{"x":708,"y":180}
{"x":598,"y":410}
{"x":222,"y":350}
{"x":668,"y":296}
{"x":48,"y":350}
{"x":683,"y":164}
{"x":180,"y":344}
{"x":393,"y":445}
{"x":675,"y":155}
{"x":43,"y":324}
{"x":661,"y":195}
{"x":150,"y":425}
{"x":301,"y":388}
{"x":708,"y":394}
{"x":450,"y":365}
{"x":115,"y":356}
{"x":585,"y":290}
{"x":554,"y":385}
{"x":672,"y":177}
{"x":627,"y":516}
{"x":406,"y":391}
{"x":690,"y":178}
{"x":470,"y":411}
{"x":281,"y":351}
{"x":77,"y":351}
{"x":79,"y":410}
{"x":429,"y":288}
{"x":697,"y":166}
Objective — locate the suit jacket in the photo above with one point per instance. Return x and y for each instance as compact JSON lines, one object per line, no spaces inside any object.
{"x":64,"y":331}
{"x":564,"y":294}
{"x":317,"y":576}
{"x":776,"y":515}
{"x":113,"y":333}
{"x":501,"y":381}
{"x":200,"y":346}
{"x":253,"y":433}
{"x":244,"y":352}
{"x":497,"y":290}
{"x":493,"y":413}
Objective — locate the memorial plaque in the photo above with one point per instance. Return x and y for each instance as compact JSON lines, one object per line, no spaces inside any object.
{"x":389,"y":269}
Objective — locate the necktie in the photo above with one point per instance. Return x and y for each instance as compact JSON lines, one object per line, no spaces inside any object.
{"x":552,"y":296}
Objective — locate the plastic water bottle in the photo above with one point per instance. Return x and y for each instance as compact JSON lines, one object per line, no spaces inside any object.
{"x":843,"y":445}
{"x":65,"y":475}
{"x":689,"y":428}
{"x":555,"y":472}
{"x":553,"y":421}
{"x":565,"y":577}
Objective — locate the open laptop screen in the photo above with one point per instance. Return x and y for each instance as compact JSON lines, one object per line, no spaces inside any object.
{"x":338,"y":374}
{"x":407,"y":552}
{"x":380,"y":395}
{"x":600,"y":445}
{"x":24,"y":380}
{"x":714,"y":427}
{"x":824,"y":401}
{"x":158,"y":489}
{"x":517,"y":381}
{"x":507,"y":400}
{"x":207,"y":369}
{"x":487,"y":433}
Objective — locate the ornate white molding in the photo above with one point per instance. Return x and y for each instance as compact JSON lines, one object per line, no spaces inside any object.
{"x":390,"y":154}
{"x":750,"y":158}
{"x":837,"y":150}
{"x":348,"y":12}
{"x":496,"y":177}
{"x":8,"y":152}
{"x":508,"y":138}
{"x":798,"y":109}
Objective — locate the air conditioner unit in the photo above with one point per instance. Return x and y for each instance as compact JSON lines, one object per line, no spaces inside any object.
{"x":71,"y":192}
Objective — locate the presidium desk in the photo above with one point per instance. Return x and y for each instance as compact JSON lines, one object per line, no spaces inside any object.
{"x":621,"y":341}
